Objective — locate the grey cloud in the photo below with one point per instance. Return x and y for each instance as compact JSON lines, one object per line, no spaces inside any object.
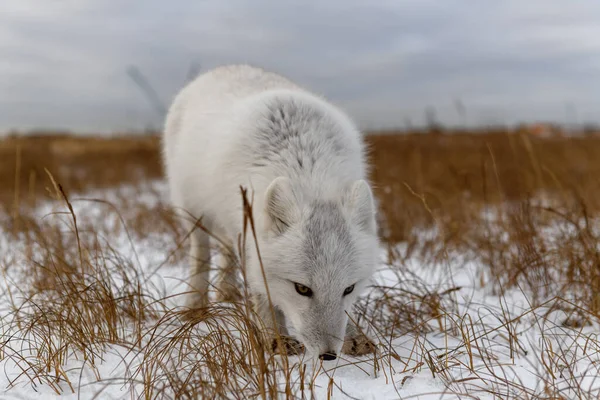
{"x":384,"y":62}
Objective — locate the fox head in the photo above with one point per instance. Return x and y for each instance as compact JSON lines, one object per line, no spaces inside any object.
{"x":318,"y":257}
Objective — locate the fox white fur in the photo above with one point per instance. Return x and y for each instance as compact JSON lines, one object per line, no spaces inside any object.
{"x":303,"y":162}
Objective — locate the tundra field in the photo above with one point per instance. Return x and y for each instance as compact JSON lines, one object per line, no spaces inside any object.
{"x":488,"y":288}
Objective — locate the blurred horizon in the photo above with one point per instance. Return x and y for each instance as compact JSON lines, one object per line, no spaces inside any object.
{"x":106,"y":66}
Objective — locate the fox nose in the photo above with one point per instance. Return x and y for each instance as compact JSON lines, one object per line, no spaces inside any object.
{"x":328,"y":356}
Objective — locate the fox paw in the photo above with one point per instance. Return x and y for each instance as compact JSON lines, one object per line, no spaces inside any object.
{"x":195,"y":305}
{"x":196,"y":300}
{"x":229,"y":295}
{"x":287,"y":345}
{"x":358,"y":345}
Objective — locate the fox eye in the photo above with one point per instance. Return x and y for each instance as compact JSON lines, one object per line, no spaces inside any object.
{"x":348,"y":290}
{"x":303,"y":290}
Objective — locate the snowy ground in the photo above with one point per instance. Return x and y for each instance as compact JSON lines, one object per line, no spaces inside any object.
{"x":479,"y":346}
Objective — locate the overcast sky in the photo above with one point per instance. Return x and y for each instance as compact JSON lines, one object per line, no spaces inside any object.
{"x":63,"y":63}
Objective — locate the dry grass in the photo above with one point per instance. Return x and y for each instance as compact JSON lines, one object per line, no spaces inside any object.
{"x":79,"y":163}
{"x":523,"y":209}
{"x":494,"y":197}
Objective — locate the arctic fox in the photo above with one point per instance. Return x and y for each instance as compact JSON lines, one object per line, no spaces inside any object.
{"x":302,"y":160}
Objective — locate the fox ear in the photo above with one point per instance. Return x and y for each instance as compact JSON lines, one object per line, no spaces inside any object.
{"x":361,"y":206}
{"x":280,"y":204}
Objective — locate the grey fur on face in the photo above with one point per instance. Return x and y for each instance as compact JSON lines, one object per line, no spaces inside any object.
{"x":327,"y":241}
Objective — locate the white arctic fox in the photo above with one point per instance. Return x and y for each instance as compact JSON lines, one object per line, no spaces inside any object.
{"x":303,"y":163}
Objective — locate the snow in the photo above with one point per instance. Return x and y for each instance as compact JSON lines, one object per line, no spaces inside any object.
{"x":508,"y":352}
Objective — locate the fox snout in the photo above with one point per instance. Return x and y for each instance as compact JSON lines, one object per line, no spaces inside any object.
{"x":331,"y":345}
{"x":326,"y":341}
